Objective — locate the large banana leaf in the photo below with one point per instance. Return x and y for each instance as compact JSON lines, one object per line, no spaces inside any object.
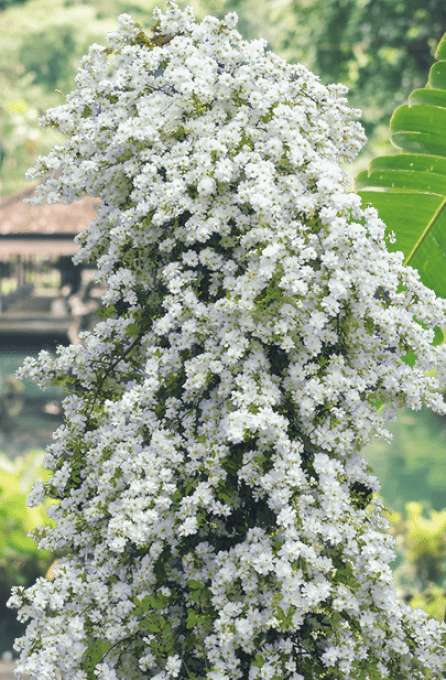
{"x":409,"y":189}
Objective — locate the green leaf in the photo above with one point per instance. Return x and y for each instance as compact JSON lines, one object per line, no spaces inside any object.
{"x":158,"y":602}
{"x":192,"y":618}
{"x":409,"y":189}
{"x":409,"y":358}
{"x":258,"y":661}
{"x":144,"y":604}
{"x":150,"y":625}
{"x":439,"y":336}
{"x":132,"y":329}
{"x":106,"y":312}
{"x":281,"y":613}
{"x":94,"y":655}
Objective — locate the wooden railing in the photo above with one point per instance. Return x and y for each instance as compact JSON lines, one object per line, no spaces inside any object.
{"x":47,"y":312}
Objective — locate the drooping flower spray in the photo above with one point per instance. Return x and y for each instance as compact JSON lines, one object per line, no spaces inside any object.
{"x":214,"y":501}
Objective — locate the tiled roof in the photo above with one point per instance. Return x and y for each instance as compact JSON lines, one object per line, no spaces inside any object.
{"x":17,"y":217}
{"x":42,"y":230}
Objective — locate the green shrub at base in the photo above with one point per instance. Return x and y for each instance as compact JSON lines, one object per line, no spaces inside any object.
{"x":421,"y":578}
{"x":21,"y":562}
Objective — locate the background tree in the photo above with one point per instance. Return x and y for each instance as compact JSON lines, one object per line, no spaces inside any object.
{"x":7,"y":3}
{"x":381,"y":50}
{"x":48,"y":56}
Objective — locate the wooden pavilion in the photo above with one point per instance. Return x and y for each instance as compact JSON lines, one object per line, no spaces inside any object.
{"x":29,"y":235}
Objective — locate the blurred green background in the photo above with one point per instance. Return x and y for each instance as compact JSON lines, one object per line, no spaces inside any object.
{"x":381,"y":50}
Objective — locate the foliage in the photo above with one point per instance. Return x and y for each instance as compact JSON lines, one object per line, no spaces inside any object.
{"x":412,"y":467}
{"x":380,"y":49}
{"x":48,"y":56}
{"x":16,"y":518}
{"x":410,"y":188}
{"x":421,"y":578}
{"x":41,"y":43}
{"x":21,"y":561}
{"x":4,"y":4}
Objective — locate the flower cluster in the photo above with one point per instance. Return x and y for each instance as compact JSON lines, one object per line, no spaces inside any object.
{"x":214,"y":505}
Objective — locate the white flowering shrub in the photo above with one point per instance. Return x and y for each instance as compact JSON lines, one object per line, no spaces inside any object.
{"x":214,"y":504}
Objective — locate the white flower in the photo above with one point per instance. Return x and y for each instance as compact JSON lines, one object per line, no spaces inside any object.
{"x":188,"y":527}
{"x":330,"y":656}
